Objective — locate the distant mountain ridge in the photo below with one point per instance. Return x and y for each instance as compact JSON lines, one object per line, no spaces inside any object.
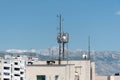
{"x":106,"y":62}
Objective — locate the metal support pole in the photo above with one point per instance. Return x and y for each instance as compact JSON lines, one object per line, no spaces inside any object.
{"x":59,"y":60}
{"x":63,"y":51}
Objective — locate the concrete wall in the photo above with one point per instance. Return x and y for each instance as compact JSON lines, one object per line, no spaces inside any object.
{"x":85,"y":68}
{"x":101,"y":78}
{"x":114,"y":77}
{"x":107,"y":78}
{"x":93,"y":70}
{"x":65,"y":72}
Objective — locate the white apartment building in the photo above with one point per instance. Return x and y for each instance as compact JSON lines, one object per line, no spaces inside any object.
{"x":0,"y":67}
{"x":14,"y":68}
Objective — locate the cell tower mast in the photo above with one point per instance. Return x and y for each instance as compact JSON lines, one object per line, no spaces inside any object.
{"x":60,"y":44}
{"x":62,"y":38}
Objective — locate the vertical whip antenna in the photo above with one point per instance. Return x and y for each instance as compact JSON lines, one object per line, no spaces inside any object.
{"x":89,"y":47}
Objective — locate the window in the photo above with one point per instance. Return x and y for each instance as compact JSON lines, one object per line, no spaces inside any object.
{"x":41,"y":77}
{"x":16,"y":75}
{"x":7,"y":68}
{"x":5,"y":62}
{"x":5,"y":73}
{"x":30,"y":63}
{"x":6,"y":79}
{"x":17,"y":69}
{"x":21,"y":78}
{"x":21,"y":72}
{"x":16,"y":63}
{"x":56,"y":77}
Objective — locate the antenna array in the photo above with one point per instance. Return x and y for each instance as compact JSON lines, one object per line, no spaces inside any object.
{"x":62,"y":39}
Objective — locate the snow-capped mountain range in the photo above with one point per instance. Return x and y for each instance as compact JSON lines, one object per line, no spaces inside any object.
{"x":106,"y":62}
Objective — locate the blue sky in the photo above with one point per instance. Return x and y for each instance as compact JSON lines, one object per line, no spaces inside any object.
{"x":26,"y":24}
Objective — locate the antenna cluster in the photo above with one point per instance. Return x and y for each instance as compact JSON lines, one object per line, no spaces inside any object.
{"x":62,"y":39}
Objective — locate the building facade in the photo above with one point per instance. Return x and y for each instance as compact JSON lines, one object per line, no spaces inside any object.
{"x":0,"y":67}
{"x":13,"y":68}
{"x":67,"y":70}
